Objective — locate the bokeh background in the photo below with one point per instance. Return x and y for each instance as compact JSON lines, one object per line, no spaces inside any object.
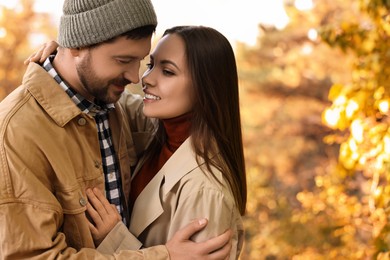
{"x":314,"y":86}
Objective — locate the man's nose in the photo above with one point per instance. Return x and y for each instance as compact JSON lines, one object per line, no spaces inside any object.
{"x":132,"y":74}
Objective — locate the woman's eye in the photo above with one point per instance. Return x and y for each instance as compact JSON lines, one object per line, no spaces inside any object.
{"x":149,"y":65}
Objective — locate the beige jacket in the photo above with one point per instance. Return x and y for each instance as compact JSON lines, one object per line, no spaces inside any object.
{"x":49,"y":155}
{"x":179,"y":193}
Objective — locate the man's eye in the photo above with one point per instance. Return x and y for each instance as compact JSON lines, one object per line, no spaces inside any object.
{"x":124,"y":61}
{"x":168,"y":73}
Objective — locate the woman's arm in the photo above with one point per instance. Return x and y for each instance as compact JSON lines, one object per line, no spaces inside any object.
{"x":106,"y":217}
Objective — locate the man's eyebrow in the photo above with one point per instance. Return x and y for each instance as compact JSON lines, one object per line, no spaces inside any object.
{"x":130,"y":57}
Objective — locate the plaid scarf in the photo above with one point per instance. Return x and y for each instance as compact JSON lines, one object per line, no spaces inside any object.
{"x":100,"y":112}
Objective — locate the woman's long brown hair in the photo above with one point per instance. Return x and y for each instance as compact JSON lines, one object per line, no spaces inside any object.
{"x":216,"y":124}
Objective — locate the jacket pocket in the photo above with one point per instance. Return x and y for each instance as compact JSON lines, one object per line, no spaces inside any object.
{"x":75,"y":224}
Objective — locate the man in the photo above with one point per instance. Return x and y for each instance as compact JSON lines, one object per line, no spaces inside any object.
{"x":63,"y":131}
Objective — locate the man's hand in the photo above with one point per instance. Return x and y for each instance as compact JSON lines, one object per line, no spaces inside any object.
{"x":181,"y":247}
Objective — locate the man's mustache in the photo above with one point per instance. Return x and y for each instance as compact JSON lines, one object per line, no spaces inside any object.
{"x":120,"y":82}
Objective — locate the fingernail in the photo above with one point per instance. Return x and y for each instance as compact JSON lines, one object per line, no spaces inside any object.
{"x":202,"y":221}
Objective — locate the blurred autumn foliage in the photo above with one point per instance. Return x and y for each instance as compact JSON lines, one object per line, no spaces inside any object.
{"x":315,"y":100}
{"x":315,"y":115}
{"x":18,"y":27}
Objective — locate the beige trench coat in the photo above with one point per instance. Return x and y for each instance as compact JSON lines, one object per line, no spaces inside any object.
{"x":179,"y":193}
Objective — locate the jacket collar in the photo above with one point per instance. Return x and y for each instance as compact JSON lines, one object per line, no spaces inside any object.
{"x":49,"y":95}
{"x":149,"y":202}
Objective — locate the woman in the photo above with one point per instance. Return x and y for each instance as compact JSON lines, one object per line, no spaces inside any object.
{"x":195,"y":165}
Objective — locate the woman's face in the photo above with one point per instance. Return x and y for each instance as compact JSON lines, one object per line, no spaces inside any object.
{"x":167,"y":83}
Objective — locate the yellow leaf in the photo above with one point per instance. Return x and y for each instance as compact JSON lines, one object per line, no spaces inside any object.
{"x":335,"y":91}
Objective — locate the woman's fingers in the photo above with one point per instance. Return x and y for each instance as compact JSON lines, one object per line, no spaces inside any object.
{"x":98,"y":202}
{"x":103,"y":202}
{"x":36,"y":56}
{"x":94,"y":215}
{"x":92,"y":228}
{"x":49,"y":48}
{"x":42,"y":53}
{"x":102,"y":209}
{"x":104,"y":216}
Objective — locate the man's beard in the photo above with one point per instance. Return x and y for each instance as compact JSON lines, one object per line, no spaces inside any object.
{"x":95,"y":86}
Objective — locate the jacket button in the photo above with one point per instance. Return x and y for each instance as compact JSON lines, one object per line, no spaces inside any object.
{"x":83,"y":202}
{"x":82,"y":121}
{"x":97,"y":164}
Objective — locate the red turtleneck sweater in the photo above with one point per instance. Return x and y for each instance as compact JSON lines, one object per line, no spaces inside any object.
{"x":178,"y":130}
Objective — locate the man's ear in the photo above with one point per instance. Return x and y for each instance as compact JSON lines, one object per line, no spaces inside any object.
{"x":75,"y":51}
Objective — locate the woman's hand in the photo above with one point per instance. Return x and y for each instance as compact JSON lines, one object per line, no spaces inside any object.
{"x":103,"y":214}
{"x":43,"y":52}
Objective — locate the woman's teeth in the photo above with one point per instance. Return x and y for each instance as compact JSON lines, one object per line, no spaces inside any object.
{"x":150,"y":96}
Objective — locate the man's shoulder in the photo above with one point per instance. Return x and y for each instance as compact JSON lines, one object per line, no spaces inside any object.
{"x":18,"y":97}
{"x":13,"y":102}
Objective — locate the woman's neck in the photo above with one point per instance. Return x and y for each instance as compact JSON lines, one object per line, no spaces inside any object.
{"x":177,"y":130}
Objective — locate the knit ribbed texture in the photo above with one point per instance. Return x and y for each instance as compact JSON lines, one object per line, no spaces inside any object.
{"x":88,"y":22}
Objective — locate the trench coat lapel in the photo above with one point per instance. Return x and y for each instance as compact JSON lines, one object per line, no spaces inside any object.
{"x":147,"y":207}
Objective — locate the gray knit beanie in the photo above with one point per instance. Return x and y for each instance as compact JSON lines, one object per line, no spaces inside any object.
{"x":88,"y":22}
